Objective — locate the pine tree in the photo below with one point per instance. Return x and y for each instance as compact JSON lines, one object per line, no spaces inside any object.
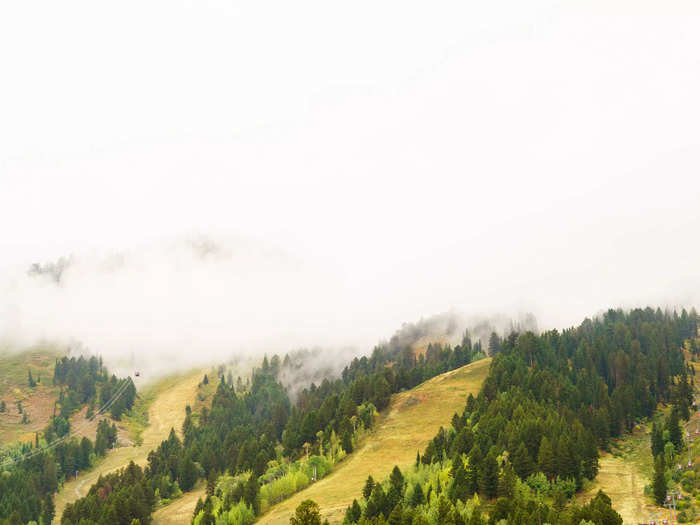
{"x":445,"y":511}
{"x":567,"y":464}
{"x":367,"y":490}
{"x":251,"y":494}
{"x":488,"y":476}
{"x":49,"y":510}
{"x":396,"y":516}
{"x":211,"y":483}
{"x":545,"y":458}
{"x":674,"y":430}
{"x":199,"y":506}
{"x":354,"y":512}
{"x":494,"y":344}
{"x":659,"y":485}
{"x":507,"y":482}
{"x":347,"y":443}
{"x":207,"y":517}
{"x":522,"y":462}
{"x":657,"y":440}
{"x":187,"y":473}
{"x":396,"y":480}
{"x":460,"y":484}
{"x":377,"y":503}
{"x":417,"y":498}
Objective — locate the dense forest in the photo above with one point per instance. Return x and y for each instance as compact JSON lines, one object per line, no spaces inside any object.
{"x":527,"y":441}
{"x":30,"y":473}
{"x":249,"y":445}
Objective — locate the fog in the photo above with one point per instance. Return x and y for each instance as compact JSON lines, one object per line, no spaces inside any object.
{"x":200,"y":301}
{"x":254,"y":178}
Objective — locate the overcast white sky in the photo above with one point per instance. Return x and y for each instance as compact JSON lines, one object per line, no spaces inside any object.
{"x":421,"y":156}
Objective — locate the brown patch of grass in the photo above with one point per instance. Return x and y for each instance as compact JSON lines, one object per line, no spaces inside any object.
{"x":37,"y":402}
{"x":39,"y":408}
{"x":81,"y":427}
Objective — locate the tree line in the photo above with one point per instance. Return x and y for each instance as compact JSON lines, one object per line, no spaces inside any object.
{"x":533,"y":432}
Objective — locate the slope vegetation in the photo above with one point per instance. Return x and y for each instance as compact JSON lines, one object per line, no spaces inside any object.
{"x":629,"y":468}
{"x":37,"y":402}
{"x":412,"y":420}
{"x":623,"y":474}
{"x":166,"y":411}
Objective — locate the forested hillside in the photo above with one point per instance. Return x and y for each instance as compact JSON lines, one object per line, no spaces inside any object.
{"x":258,"y":447}
{"x":518,"y":452}
{"x":527,"y":441}
{"x":30,"y":473}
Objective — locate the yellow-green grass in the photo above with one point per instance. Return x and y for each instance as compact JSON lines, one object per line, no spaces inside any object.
{"x":413,"y":419}
{"x":181,"y":509}
{"x":167,"y":400}
{"x":623,"y":474}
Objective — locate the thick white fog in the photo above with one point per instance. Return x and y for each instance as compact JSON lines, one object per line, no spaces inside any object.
{"x":260,"y":177}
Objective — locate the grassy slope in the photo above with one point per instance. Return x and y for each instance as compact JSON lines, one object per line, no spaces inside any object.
{"x":623,"y":474}
{"x":37,"y":402}
{"x":414,"y":418}
{"x":179,"y":511}
{"x":168,"y":399}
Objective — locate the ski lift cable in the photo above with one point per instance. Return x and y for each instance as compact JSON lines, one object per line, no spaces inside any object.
{"x":122,"y":388}
{"x":70,"y":434}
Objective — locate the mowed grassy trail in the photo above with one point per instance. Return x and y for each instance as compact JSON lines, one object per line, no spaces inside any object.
{"x":181,"y":509}
{"x":413,"y":419}
{"x":166,"y":411}
{"x":623,"y":475}
{"x":629,"y":467}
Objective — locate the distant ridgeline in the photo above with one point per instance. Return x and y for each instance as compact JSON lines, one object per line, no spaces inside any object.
{"x":532,"y":434}
{"x":31,"y":472}
{"x":255,"y":447}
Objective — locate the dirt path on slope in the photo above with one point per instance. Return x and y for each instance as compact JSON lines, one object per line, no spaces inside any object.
{"x":623,"y":475}
{"x":621,"y":480}
{"x":167,"y":411}
{"x":180,"y":510}
{"x":413,"y":419}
